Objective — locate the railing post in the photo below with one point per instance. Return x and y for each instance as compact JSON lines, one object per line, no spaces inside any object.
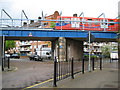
{"x":110,"y":60}
{"x":2,"y":64}
{"x":8,"y":62}
{"x":83,"y":66}
{"x":72,"y":69}
{"x":55,"y":68}
{"x":100,"y":63}
{"x":93,"y":64}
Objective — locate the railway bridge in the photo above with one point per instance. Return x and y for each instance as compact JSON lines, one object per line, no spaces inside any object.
{"x":65,"y":43}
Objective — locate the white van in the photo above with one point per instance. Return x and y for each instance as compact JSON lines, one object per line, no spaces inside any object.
{"x":114,"y":55}
{"x":44,"y":52}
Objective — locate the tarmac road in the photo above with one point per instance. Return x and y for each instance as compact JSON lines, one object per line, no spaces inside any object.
{"x":27,"y":73}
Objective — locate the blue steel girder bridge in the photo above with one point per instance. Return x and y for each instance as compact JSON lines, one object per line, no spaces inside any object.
{"x":49,"y":35}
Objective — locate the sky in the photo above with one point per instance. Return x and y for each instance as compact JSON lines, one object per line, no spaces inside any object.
{"x":33,"y":8}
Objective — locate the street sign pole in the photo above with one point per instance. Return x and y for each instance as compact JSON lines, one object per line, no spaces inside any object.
{"x":89,"y":65}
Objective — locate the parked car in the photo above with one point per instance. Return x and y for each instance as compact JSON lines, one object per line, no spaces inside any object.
{"x":15,"y":56}
{"x":7,"y":55}
{"x":31,"y":57}
{"x":35,"y":57}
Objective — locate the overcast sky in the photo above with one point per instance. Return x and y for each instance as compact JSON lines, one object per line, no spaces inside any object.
{"x":33,"y":8}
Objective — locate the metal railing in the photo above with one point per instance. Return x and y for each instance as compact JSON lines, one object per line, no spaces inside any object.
{"x":62,"y":70}
{"x":65,"y":69}
{"x":40,"y":24}
{"x":16,"y":23}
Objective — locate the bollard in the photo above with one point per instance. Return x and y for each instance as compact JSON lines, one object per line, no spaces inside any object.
{"x":100,"y":63}
{"x":55,"y":68}
{"x":72,"y":69}
{"x":83,"y":66}
{"x":93,"y":63}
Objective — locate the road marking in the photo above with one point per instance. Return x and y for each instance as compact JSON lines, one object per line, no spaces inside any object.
{"x":45,"y":81}
{"x":50,"y":80}
{"x":38,"y":84}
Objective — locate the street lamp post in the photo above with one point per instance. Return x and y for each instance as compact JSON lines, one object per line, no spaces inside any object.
{"x":90,"y":38}
{"x":3,"y":56}
{"x":89,"y":65}
{"x":119,"y":47}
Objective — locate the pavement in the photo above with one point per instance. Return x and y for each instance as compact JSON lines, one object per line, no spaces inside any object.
{"x":105,"y":78}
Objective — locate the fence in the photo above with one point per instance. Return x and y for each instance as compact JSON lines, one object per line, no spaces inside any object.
{"x":5,"y":63}
{"x":64,"y":69}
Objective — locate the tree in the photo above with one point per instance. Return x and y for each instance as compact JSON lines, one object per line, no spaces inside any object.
{"x":106,"y":50}
{"x":9,"y":44}
{"x":52,"y":24}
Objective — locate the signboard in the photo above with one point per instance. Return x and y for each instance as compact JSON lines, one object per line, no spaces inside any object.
{"x":75,"y":24}
{"x":30,"y":34}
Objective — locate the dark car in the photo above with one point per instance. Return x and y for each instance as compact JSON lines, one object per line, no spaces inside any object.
{"x":31,"y":57}
{"x":35,"y":57}
{"x":15,"y":56}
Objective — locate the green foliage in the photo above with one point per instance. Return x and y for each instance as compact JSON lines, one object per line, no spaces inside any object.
{"x":91,"y":56}
{"x":9,"y":44}
{"x":52,"y":24}
{"x":106,"y":50}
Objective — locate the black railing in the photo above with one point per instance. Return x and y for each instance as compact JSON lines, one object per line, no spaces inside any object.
{"x":83,"y":69}
{"x":64,"y":69}
{"x":100,"y":63}
{"x":93,"y":64}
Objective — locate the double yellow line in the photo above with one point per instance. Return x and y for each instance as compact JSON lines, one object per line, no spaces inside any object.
{"x":45,"y":82}
{"x":38,"y":84}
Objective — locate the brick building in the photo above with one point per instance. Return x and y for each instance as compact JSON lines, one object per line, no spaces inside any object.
{"x":29,"y":47}
{"x":42,"y":24}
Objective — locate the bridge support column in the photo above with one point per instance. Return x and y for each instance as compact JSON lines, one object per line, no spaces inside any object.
{"x":74,"y":49}
{"x":59,"y":49}
{"x":64,"y":49}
